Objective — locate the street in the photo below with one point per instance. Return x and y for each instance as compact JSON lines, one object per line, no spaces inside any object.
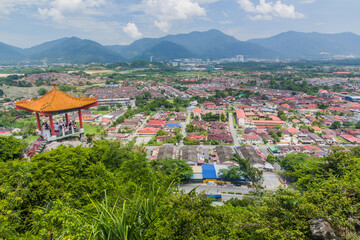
{"x":135,"y":134}
{"x":183,"y":127}
{"x":232,"y":129}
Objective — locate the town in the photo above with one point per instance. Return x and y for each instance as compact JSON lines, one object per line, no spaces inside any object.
{"x":203,"y":118}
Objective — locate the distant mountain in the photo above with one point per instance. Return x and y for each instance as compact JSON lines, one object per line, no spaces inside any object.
{"x":9,"y":53}
{"x":166,"y":51}
{"x":312,"y":45}
{"x":116,"y":48}
{"x":211,"y":44}
{"x":72,"y":50}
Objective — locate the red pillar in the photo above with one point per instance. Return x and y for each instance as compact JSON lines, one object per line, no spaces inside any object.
{"x":80,"y":119}
{"x":52,"y":125}
{"x":67,"y":118}
{"x":38,"y":121}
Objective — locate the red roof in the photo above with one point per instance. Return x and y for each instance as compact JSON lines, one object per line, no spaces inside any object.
{"x":240,"y":113}
{"x":251,"y":137}
{"x":155,"y":122}
{"x":148,"y":131}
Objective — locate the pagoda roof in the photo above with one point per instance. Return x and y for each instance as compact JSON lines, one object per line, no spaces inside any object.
{"x":55,"y":101}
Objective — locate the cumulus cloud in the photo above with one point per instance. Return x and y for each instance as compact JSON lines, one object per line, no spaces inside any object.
{"x":168,"y":11}
{"x":307,"y":1}
{"x":132,"y":30}
{"x":268,"y":10}
{"x":8,"y":6}
{"x":61,"y":8}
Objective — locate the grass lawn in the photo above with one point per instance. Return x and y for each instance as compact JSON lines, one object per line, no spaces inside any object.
{"x":30,"y":139}
{"x":101,"y":112}
{"x":92,"y":129}
{"x":20,"y":123}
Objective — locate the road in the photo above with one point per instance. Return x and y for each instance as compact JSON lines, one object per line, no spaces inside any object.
{"x":135,"y":134}
{"x":232,"y":129}
{"x":183,"y":127}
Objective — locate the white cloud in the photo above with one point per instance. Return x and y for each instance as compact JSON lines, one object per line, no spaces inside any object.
{"x":307,"y":1}
{"x":132,"y":30}
{"x":260,"y":17}
{"x":166,"y":12}
{"x":61,"y":8}
{"x":8,"y":6}
{"x":226,"y":22}
{"x":267,"y":10}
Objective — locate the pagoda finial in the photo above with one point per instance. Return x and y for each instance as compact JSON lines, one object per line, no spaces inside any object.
{"x":54,"y":83}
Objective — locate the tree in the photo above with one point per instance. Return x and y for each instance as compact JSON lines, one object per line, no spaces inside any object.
{"x":29,"y":128}
{"x":270,"y":159}
{"x":231,"y":173}
{"x":322,"y":105}
{"x":42,"y":91}
{"x":175,"y":167}
{"x":248,"y":172}
{"x":161,"y":133}
{"x":335,"y":125}
{"x":291,"y":161}
{"x":11,"y":148}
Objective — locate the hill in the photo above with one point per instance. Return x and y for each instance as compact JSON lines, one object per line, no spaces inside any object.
{"x":166,"y":51}
{"x":9,"y":53}
{"x":211,"y":44}
{"x":312,"y":45}
{"x":72,"y":50}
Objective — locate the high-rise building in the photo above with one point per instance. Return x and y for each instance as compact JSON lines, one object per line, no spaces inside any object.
{"x":240,"y":58}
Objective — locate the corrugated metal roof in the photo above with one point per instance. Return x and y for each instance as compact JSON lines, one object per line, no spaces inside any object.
{"x":208,"y":171}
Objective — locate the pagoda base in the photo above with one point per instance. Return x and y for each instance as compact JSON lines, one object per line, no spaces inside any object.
{"x":66,"y":135}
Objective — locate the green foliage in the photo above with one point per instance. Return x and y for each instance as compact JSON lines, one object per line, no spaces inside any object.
{"x":161,"y":133}
{"x":335,"y":125}
{"x":10,"y":149}
{"x":66,"y":87}
{"x":176,"y":168}
{"x":231,"y":173}
{"x":187,"y":141}
{"x":109,"y":191}
{"x":193,"y":128}
{"x":103,"y":108}
{"x":292,"y":160}
{"x":270,"y":159}
{"x":42,"y":91}
{"x":322,"y":105}
{"x":210,"y":117}
{"x":282,"y":115}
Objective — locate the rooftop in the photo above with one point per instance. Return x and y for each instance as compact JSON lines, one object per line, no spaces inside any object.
{"x":55,"y":101}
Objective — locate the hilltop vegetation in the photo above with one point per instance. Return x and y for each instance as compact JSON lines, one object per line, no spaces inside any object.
{"x":109,"y":191}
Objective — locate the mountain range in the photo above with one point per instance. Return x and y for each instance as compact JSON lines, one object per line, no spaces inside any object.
{"x":211,"y":44}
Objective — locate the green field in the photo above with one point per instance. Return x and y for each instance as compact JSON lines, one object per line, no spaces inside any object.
{"x":93,"y":129}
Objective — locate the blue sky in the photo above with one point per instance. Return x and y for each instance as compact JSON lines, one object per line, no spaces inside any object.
{"x":25,"y":23}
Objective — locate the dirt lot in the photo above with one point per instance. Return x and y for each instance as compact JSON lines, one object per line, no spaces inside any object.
{"x":22,"y":92}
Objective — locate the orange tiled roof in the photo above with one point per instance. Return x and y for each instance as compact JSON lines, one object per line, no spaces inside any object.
{"x":54,"y":101}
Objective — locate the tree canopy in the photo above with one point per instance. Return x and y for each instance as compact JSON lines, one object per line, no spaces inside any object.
{"x":110,"y":191}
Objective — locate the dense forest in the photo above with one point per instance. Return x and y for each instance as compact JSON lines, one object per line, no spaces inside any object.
{"x":110,"y":191}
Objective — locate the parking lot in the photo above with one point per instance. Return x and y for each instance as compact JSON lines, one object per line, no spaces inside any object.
{"x":271,"y":181}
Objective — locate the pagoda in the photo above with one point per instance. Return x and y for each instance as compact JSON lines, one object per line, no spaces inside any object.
{"x":56,"y":102}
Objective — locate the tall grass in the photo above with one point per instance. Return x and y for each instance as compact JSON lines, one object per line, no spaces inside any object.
{"x":129,"y":220}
